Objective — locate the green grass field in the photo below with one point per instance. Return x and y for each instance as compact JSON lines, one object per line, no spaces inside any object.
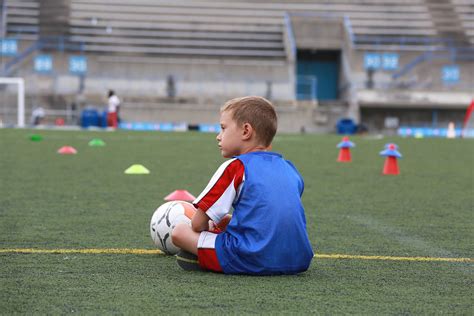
{"x":51,"y":201}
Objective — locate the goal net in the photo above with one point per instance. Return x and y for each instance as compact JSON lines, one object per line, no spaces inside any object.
{"x":12,"y":102}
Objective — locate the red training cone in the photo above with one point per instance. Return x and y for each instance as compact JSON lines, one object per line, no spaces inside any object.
{"x":345,"y":150}
{"x":180,"y":195}
{"x":344,"y":155}
{"x":67,"y":150}
{"x":391,"y":166}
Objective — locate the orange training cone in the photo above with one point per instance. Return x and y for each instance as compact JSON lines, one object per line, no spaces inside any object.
{"x":180,"y":195}
{"x":344,"y":150}
{"x":391,"y":165}
{"x":67,"y":150}
{"x":344,"y":155}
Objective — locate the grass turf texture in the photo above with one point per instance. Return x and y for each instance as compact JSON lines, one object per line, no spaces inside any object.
{"x":85,"y":201}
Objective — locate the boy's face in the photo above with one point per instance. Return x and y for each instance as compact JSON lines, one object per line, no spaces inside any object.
{"x":230,"y":137}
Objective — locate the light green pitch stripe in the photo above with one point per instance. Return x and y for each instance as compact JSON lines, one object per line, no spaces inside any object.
{"x":159,"y":252}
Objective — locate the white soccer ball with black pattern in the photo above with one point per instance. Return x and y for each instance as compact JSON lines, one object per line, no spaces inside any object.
{"x":165,"y":218}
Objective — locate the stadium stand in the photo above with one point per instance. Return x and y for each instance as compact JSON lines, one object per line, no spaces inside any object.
{"x":22,"y":18}
{"x":447,"y":20}
{"x":213,"y":28}
{"x":464,"y":10}
{"x":309,"y":57}
{"x":159,"y":29}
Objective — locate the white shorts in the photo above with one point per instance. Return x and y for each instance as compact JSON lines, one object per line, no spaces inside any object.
{"x":207,"y":240}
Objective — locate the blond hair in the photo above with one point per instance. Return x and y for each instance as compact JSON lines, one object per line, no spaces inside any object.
{"x":256,"y":111}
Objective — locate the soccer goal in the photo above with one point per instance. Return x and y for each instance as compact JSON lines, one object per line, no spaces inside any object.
{"x":19,"y":83}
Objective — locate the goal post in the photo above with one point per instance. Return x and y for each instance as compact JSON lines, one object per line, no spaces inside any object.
{"x":20,"y":84}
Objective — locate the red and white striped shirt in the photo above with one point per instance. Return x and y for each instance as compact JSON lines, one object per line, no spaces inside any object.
{"x":222,"y":190}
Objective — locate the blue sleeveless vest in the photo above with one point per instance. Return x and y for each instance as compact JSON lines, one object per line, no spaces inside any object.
{"x":267,"y":232}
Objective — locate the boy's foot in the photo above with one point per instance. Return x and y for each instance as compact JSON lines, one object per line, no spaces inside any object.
{"x":187,"y":261}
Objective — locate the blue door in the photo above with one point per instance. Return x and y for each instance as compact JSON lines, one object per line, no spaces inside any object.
{"x":317,"y":75}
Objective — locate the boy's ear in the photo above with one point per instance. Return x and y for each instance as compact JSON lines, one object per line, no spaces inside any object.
{"x":247,"y":131}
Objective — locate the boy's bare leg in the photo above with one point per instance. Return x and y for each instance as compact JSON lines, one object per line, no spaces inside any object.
{"x":184,"y":237}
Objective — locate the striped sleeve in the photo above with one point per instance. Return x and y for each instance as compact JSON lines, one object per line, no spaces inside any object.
{"x":223,"y":188}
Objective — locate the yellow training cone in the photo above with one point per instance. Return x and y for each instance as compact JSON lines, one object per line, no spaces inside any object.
{"x":137,"y":169}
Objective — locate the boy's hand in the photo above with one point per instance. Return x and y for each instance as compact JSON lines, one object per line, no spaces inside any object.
{"x":214,"y":228}
{"x":221,"y":226}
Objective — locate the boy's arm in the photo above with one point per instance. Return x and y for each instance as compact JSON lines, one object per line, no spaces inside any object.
{"x":200,"y":221}
{"x":215,"y":202}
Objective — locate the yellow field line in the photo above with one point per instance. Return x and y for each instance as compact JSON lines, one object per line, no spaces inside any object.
{"x":391,"y":258}
{"x":132,"y":251}
{"x":121,"y":251}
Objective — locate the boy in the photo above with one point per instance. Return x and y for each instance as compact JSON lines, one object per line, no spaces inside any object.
{"x":267,"y":231}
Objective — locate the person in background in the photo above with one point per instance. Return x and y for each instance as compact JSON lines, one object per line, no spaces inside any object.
{"x":37,"y":116}
{"x":113,"y":109}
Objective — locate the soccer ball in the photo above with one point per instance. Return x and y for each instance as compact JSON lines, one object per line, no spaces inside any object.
{"x":165,"y":218}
